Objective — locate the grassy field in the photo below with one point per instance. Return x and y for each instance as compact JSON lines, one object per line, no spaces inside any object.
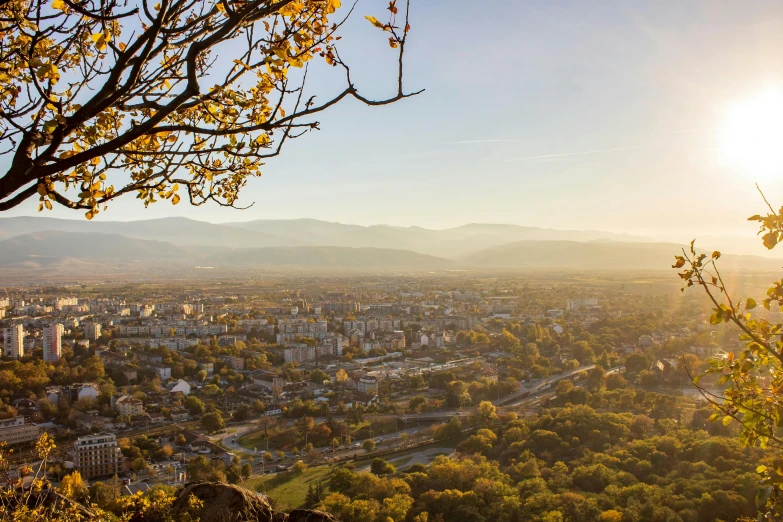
{"x":287,"y":490}
{"x":278,"y":439}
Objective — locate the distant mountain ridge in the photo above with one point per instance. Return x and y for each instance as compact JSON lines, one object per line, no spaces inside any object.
{"x":58,"y":247}
{"x":448,"y":243}
{"x":308,"y":243}
{"x":600,"y":254}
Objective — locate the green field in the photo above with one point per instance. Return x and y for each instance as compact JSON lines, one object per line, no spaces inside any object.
{"x":287,"y":490}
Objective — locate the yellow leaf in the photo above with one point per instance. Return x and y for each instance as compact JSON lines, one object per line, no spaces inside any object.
{"x":171,"y":139}
{"x":48,"y":71}
{"x":100,"y":40}
{"x":89,"y":215}
{"x":48,"y":204}
{"x":157,"y":7}
{"x":122,"y":46}
{"x":95,"y":161}
{"x":175,"y":199}
{"x":332,"y":5}
{"x":374,"y":21}
{"x":59,"y":4}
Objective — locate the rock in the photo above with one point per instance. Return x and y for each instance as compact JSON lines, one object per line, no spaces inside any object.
{"x":229,"y":503}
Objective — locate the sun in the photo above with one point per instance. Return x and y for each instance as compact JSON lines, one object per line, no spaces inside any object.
{"x":751,"y":137}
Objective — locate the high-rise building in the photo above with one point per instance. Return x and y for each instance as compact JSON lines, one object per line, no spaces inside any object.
{"x":13,"y":341}
{"x":92,"y":331}
{"x":52,"y":342}
{"x":97,"y":456}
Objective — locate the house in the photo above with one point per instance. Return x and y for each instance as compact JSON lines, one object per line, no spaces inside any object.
{"x":127,"y":405}
{"x":163,"y":371}
{"x":179,"y":415}
{"x":181,"y":387}
{"x":85,"y":421}
{"x":157,"y":418}
{"x":140,"y":421}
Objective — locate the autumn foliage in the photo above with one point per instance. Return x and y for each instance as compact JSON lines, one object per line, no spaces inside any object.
{"x":183,"y":98}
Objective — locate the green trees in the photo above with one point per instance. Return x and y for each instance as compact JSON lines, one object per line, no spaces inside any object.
{"x":202,"y":469}
{"x":212,"y":422}
{"x":318,"y":376}
{"x":380,"y":467}
{"x":194,"y":405}
{"x":548,"y":468}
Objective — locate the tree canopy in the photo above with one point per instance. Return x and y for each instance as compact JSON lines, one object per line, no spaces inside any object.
{"x":102,"y":98}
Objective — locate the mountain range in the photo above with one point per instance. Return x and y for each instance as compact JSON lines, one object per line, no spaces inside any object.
{"x":41,"y":242}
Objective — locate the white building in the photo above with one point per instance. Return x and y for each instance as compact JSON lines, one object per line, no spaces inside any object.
{"x":13,"y":341}
{"x":15,"y":431}
{"x":182,"y":387}
{"x":52,"y":342}
{"x":162,"y":370}
{"x":87,"y":391}
{"x":368,"y":384}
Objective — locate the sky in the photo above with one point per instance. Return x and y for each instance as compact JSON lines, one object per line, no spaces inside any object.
{"x":562,"y":114}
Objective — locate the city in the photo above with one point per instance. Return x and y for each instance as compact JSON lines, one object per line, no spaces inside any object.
{"x":391,"y":261}
{"x":143,"y":385}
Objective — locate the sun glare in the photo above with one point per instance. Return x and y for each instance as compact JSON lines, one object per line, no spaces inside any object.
{"x":751,"y":138}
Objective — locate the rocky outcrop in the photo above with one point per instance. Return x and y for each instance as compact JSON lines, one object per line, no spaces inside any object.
{"x":228,"y":503}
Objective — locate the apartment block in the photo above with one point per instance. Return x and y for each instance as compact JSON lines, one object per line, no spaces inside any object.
{"x":92,"y":331}
{"x":52,"y":342}
{"x":13,"y":341}
{"x":97,"y":456}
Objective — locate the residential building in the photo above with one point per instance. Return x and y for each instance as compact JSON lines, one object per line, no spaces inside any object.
{"x":127,"y":405}
{"x":573,"y":305}
{"x":15,"y":431}
{"x":97,"y":456}
{"x":291,"y":328}
{"x":13,"y":341}
{"x":181,"y":387}
{"x":179,"y":415}
{"x":368,"y":384}
{"x":52,"y":342}
{"x":162,"y":370}
{"x":92,"y":331}
{"x":300,"y":353}
{"x":235,"y":363}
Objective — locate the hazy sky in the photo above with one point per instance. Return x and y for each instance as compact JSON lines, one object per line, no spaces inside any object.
{"x":556,"y":114}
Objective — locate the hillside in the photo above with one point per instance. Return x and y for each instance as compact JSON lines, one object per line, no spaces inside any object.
{"x":50,"y":248}
{"x":596,"y":255}
{"x":179,"y":231}
{"x":55,"y":247}
{"x":332,"y":257}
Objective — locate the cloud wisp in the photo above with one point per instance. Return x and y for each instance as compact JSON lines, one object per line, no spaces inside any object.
{"x":580,"y":153}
